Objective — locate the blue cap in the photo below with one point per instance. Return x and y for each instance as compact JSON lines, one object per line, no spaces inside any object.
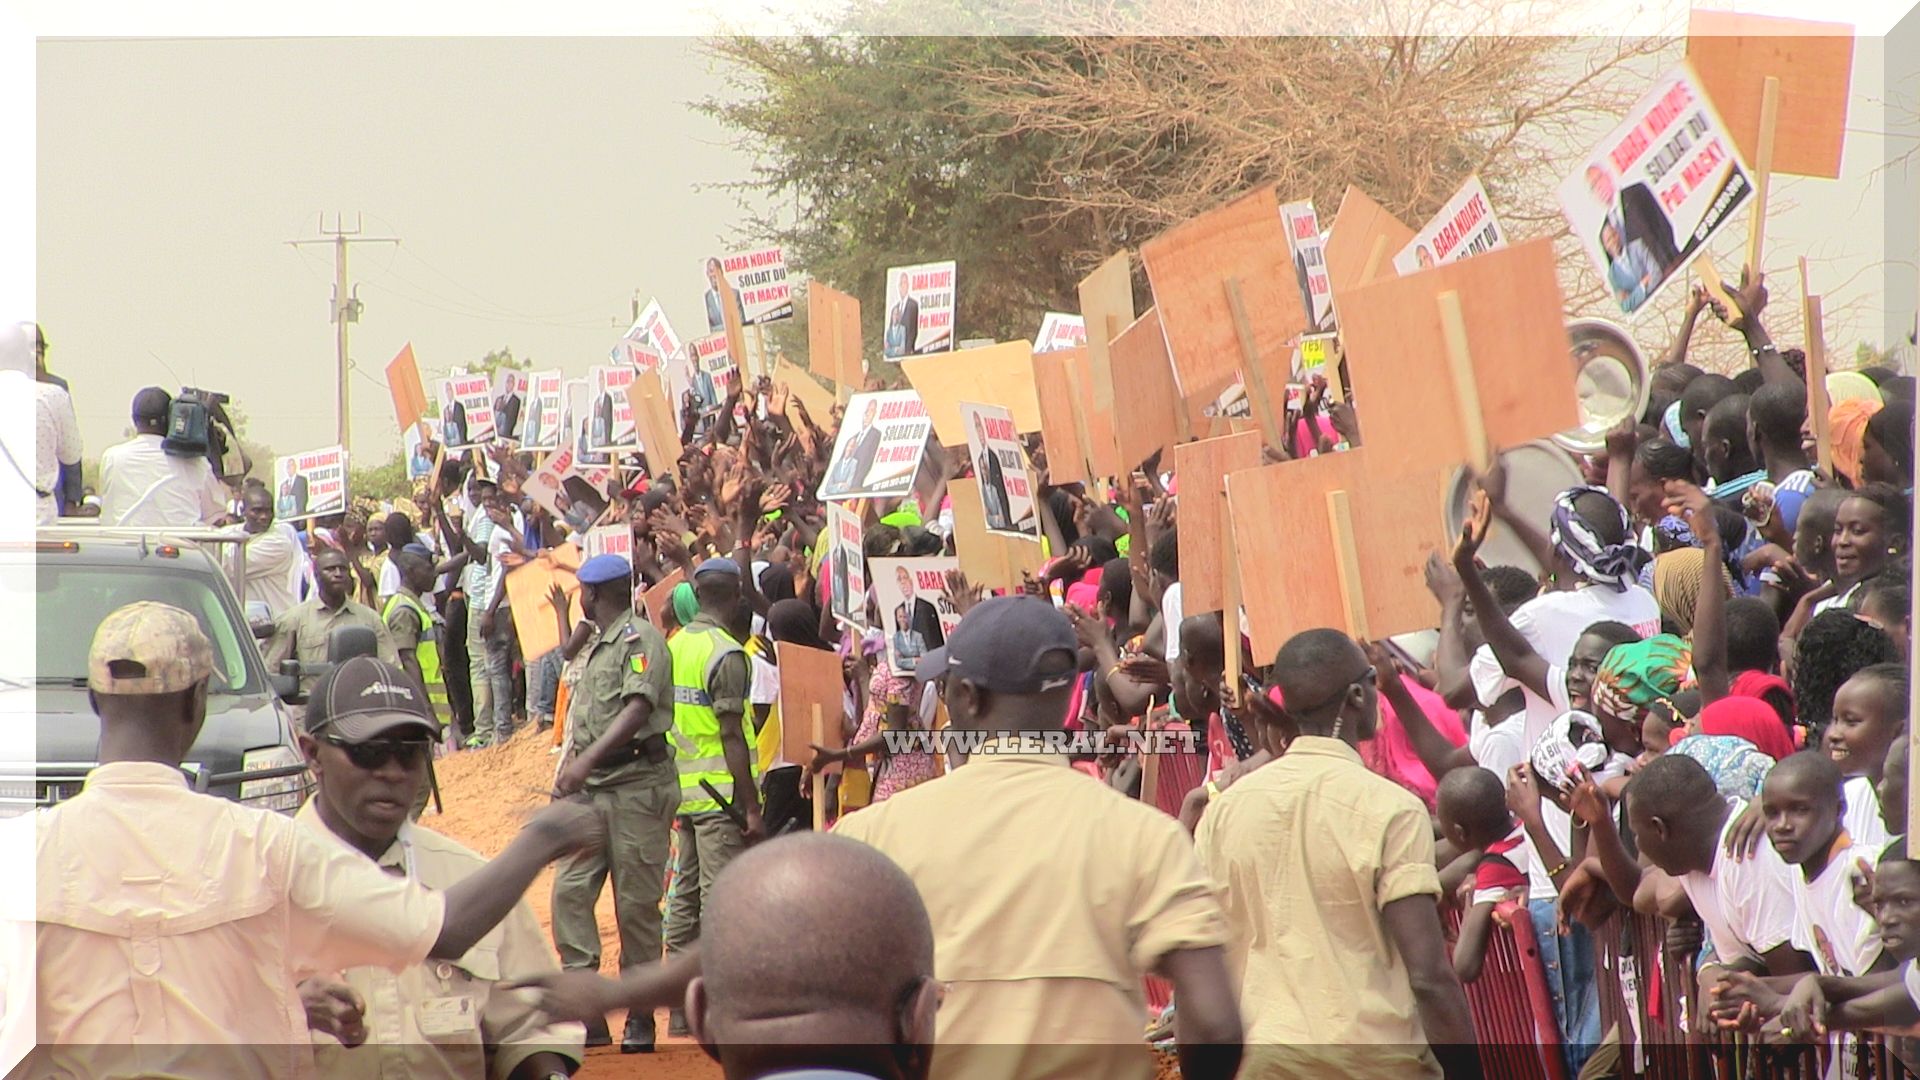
{"x":604,"y":568}
{"x":718,"y":566}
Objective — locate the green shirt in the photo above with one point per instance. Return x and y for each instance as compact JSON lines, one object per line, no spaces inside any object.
{"x":627,"y":659}
{"x":732,"y":677}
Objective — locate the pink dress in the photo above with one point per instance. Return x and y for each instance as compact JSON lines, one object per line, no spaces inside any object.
{"x":895,"y":772}
{"x":1390,"y":753}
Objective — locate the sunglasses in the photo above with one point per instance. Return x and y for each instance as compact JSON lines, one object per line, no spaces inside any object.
{"x":374,"y":755}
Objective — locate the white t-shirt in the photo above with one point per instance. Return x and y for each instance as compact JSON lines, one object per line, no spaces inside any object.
{"x":143,"y":486}
{"x":1862,"y":818}
{"x":1498,"y":747}
{"x":1170,"y":618}
{"x":1828,"y":925}
{"x":1746,"y":905}
{"x":1552,"y":622}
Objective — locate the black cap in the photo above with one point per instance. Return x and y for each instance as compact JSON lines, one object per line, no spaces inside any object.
{"x":1003,"y":645}
{"x":152,"y":405}
{"x":365,"y":698}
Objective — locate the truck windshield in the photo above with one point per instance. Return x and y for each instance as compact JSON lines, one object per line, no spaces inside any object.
{"x":73,"y":600}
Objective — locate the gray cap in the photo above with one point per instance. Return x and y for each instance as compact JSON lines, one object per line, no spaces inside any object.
{"x":364,"y":698}
{"x":1002,"y":645}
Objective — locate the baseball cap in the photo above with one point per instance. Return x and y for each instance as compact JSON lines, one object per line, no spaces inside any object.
{"x":148,"y":648}
{"x":152,"y":403}
{"x":604,"y":568}
{"x":1003,"y":645}
{"x":718,"y":566}
{"x":365,"y":698}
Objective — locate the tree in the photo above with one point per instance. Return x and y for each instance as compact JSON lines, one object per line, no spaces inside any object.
{"x":1031,"y":159}
{"x":387,"y":480}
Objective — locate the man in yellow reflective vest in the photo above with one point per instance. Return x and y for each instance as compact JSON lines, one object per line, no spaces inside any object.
{"x":711,"y":678}
{"x":411,"y":624}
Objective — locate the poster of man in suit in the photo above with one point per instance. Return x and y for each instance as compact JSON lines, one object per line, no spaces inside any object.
{"x":920,"y":308}
{"x":509,"y":398}
{"x":846,"y":566}
{"x":545,"y":390}
{"x":1652,"y":194}
{"x":466,"y":411}
{"x":914,"y":609}
{"x":879,"y":448}
{"x":312,"y":484}
{"x":611,"y":426}
{"x":1000,"y":466}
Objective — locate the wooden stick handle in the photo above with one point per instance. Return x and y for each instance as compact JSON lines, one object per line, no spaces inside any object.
{"x":1763,"y":171}
{"x":1255,"y":382}
{"x":1347,"y":563}
{"x":819,"y":778}
{"x":1375,"y":257}
{"x":1818,"y":405}
{"x":1466,"y":390}
{"x":1230,"y":609}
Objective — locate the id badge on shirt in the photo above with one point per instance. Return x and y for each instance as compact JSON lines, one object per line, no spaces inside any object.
{"x":448,"y":1017}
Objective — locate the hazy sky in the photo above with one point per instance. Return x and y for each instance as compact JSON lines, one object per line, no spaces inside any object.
{"x":535,"y":185}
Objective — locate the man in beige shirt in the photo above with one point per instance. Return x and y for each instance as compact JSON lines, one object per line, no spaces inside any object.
{"x":1325,"y":870}
{"x":1050,"y":894}
{"x":173,"y":927}
{"x":433,"y":1021}
{"x":300,"y":633}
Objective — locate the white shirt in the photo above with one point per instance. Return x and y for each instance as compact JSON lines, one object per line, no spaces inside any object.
{"x":56,"y":441}
{"x":1170,"y":618}
{"x":1862,"y":818}
{"x":143,"y":485}
{"x":1552,"y":622}
{"x":1827,"y":924}
{"x":1746,"y":905}
{"x":276,"y":561}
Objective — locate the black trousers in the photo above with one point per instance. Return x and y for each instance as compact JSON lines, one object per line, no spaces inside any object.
{"x":455,"y":667}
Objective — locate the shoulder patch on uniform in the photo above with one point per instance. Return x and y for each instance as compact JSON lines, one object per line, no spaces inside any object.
{"x":638,"y":662}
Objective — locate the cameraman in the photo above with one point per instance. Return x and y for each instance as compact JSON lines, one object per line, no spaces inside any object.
{"x":143,"y":485}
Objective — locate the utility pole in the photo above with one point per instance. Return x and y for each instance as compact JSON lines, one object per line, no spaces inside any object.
{"x":346,"y":305}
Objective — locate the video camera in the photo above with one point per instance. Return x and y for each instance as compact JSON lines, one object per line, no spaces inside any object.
{"x":198,"y":426}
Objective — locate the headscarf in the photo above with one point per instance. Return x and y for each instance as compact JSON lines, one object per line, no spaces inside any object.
{"x":1676,"y":432}
{"x":1892,"y":428}
{"x":1750,"y":719}
{"x":1678,"y":577}
{"x":1760,"y":685}
{"x":795,"y":621}
{"x":776,"y":583}
{"x":1851,"y":386}
{"x":1639,"y":673}
{"x":1612,"y":565}
{"x":1737,"y":767}
{"x":685,"y":604}
{"x":1847,"y":428}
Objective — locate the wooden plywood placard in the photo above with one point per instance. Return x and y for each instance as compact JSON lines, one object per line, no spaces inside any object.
{"x":804,"y":388}
{"x":1189,"y":265}
{"x":833,"y":337}
{"x":529,"y":590}
{"x":1062,"y":388}
{"x":659,"y":424}
{"x":1286,"y":546}
{"x":809,"y":678}
{"x":995,"y":375}
{"x":994,"y":560}
{"x":1363,"y":233}
{"x":658,"y":598}
{"x":1516,"y":339}
{"x":1106,"y":306}
{"x":1146,"y":399}
{"x":1734,"y":54}
{"x":1201,"y":469}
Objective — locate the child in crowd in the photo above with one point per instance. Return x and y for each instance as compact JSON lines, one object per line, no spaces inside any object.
{"x":1474,"y":817}
{"x":1869,"y":717}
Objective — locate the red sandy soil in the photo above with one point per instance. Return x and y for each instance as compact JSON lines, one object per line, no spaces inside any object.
{"x":488,"y":794}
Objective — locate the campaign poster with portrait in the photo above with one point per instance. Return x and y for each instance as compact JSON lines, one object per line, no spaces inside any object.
{"x":845,"y":567}
{"x":648,"y":342}
{"x":310,"y":484}
{"x":543,"y":428}
{"x":915,"y":611}
{"x":509,"y":402}
{"x":570,"y":491}
{"x":759,"y":277}
{"x":1650,"y":197}
{"x":466,"y":410}
{"x":578,"y":420}
{"x":1464,"y":227}
{"x":1000,"y":467}
{"x":1059,"y":330}
{"x":610,"y":423}
{"x":878,"y":451}
{"x":1306,"y":249}
{"x":419,"y":443}
{"x":714,"y":371}
{"x":919,"y":311}
{"x":614,"y":539}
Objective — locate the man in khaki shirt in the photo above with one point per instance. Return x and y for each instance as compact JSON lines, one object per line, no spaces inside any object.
{"x":1325,"y":870}
{"x":172,"y":927}
{"x":438,"y":1020}
{"x":1050,"y":894}
{"x":300,"y":632}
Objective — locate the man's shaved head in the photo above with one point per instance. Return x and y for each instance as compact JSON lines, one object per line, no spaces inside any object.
{"x":788,"y":981}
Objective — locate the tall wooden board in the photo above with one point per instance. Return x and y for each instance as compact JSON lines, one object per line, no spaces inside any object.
{"x":1146,"y":398}
{"x":1361,"y":228}
{"x":1106,"y":306}
{"x":994,"y":375}
{"x":809,"y":678}
{"x":1733,"y":55}
{"x":1201,"y":468}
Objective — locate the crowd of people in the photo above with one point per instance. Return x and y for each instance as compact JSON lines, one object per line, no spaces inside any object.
{"x":1696,"y":712}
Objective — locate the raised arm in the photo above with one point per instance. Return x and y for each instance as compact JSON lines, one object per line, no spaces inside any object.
{"x":1710,"y":610}
{"x":1516,"y":655}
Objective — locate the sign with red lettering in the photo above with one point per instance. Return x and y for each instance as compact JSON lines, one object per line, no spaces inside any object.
{"x":714,"y":371}
{"x":648,"y":342}
{"x":610,"y":424}
{"x":466,"y":410}
{"x":310,"y":484}
{"x":571,"y":491}
{"x":577,"y":418}
{"x":846,"y":566}
{"x":879,"y":447}
{"x":760,"y":278}
{"x":1465,"y":226}
{"x":915,"y":610}
{"x":1306,"y":248}
{"x":542,"y":428}
{"x":919,"y":310}
{"x":1060,"y":331}
{"x":1651,"y":196}
{"x":1000,"y":465}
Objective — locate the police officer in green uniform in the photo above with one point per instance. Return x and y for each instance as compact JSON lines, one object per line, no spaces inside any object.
{"x":711,"y":678}
{"x":621,"y":763}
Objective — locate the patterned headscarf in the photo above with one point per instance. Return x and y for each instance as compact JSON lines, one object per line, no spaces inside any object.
{"x":1678,"y":577}
{"x":1670,"y":423}
{"x":1612,"y":565}
{"x":1639,"y":673}
{"x":1851,"y":386}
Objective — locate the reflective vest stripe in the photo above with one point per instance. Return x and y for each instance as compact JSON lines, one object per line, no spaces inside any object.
{"x":427,"y":652}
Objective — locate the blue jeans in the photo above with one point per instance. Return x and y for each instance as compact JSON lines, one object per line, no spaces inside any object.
{"x":490,"y":671}
{"x":1568,"y":962}
{"x":543,"y":683}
